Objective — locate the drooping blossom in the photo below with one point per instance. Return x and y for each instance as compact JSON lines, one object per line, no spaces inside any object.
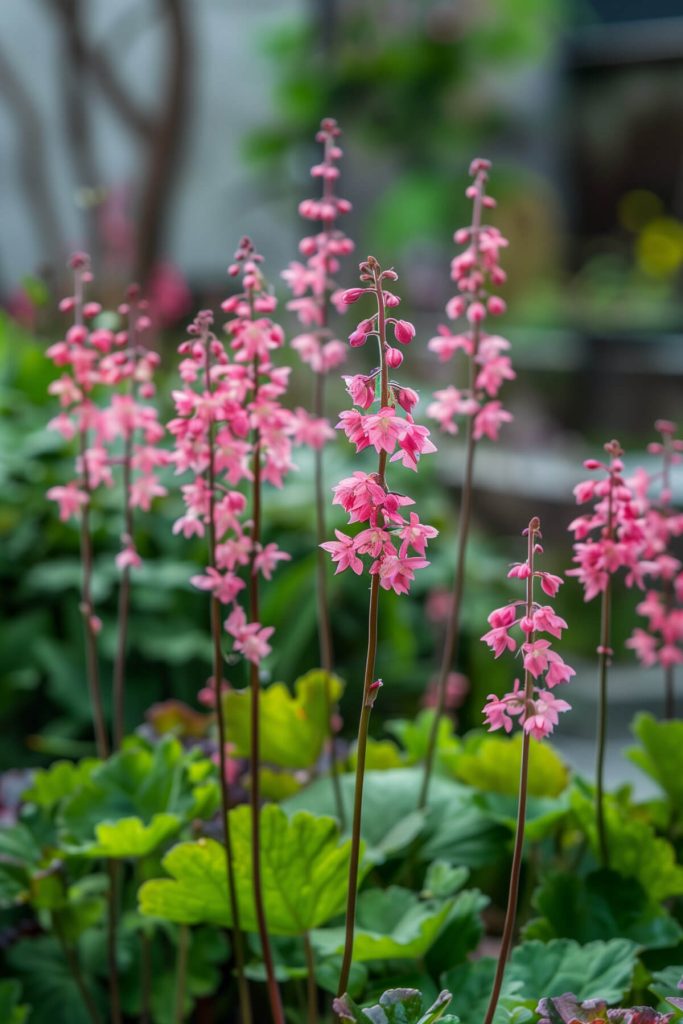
{"x":661,"y":641}
{"x":395,"y":546}
{"x":104,"y":389}
{"x":609,"y":538}
{"x":475,"y":271}
{"x":312,"y":282}
{"x":515,"y":628}
{"x":230,"y":424}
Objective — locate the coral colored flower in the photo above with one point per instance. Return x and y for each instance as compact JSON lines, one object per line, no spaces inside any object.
{"x":343,"y":552}
{"x":70,"y":500}
{"x":536,"y":709}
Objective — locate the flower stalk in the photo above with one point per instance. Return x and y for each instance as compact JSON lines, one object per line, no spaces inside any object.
{"x":474,"y":271}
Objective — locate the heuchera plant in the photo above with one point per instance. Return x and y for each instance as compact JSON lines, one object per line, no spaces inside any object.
{"x":117,"y":369}
{"x":606,"y":540}
{"x":536,"y":709}
{"x":388,"y":538}
{"x":476,"y":271}
{"x":661,"y":643}
{"x":315,"y":294}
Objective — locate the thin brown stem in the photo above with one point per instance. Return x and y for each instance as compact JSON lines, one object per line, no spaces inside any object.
{"x":119,"y":679}
{"x":369,"y":693}
{"x":145,"y":978}
{"x":87,"y":610}
{"x":516,"y":868}
{"x":311,"y":987}
{"x":255,"y":751}
{"x":181,"y":974}
{"x":75,"y":970}
{"x":114,"y":872}
{"x":450,"y":646}
{"x":324,"y":626}
{"x":216,"y":635}
{"x":603,"y":663}
{"x":452,"y":635}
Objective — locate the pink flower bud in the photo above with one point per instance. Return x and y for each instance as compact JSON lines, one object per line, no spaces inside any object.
{"x":77,"y":334}
{"x":91,"y":309}
{"x":476,"y":313}
{"x":394,"y":358}
{"x":352,"y":295}
{"x":404,"y":332}
{"x":496,"y":305}
{"x":67,"y":304}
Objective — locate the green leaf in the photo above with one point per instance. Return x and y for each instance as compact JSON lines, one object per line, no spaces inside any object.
{"x":492,"y":763}
{"x":635,"y":850}
{"x":665,"y":983}
{"x":10,"y":1011}
{"x":661,"y":754}
{"x":454,"y":826}
{"x":293,"y":727}
{"x":390,"y":924}
{"x":48,"y":986}
{"x":604,"y":905}
{"x":413,"y":734}
{"x":599,"y":970}
{"x":444,"y":879}
{"x":381,"y":755}
{"x":304,"y":871}
{"x":461,"y":934}
{"x":543,"y":814}
{"x":396,"y":1006}
{"x":151,"y":785}
{"x":472,"y":983}
{"x":51,"y":785}
{"x":130,"y":837}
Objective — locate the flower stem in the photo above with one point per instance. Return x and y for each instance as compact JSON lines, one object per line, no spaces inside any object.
{"x":119,"y":679}
{"x":324,"y":627}
{"x":515,"y":870}
{"x":114,"y":872}
{"x":310,"y":981}
{"x":255,"y":737}
{"x":368,"y":694}
{"x":181,"y":974}
{"x":75,"y":970}
{"x":453,"y":625}
{"x":603,"y":663}
{"x":216,"y":634}
{"x":450,"y":647}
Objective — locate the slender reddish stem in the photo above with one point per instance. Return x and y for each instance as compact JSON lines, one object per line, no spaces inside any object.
{"x":311,"y":987}
{"x":516,"y":868}
{"x":119,"y":679}
{"x":604,"y":655}
{"x":368,"y":694}
{"x":452,"y":635}
{"x":255,"y":737}
{"x":216,"y":636}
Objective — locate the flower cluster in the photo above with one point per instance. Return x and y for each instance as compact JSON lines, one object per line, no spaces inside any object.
{"x":615,"y":520}
{"x":662,"y":642}
{"x":312,"y":282}
{"x":536,"y":708}
{"x":116,"y":363}
{"x":231,"y":427}
{"x":388,"y":538}
{"x":475,"y":271}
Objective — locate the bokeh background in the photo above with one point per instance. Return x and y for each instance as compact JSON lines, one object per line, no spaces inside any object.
{"x":155,"y":133}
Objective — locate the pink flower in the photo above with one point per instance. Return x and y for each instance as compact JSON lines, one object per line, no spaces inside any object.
{"x":397,"y":573}
{"x":224,"y":586}
{"x":413,"y":443}
{"x":267,"y":558}
{"x":361,"y":389}
{"x":343,"y":552}
{"x":499,"y":640}
{"x":416,"y":535}
{"x":545,"y":620}
{"x":70,"y":500}
{"x":542,"y":717}
{"x":489,"y":420}
{"x":384,"y":429}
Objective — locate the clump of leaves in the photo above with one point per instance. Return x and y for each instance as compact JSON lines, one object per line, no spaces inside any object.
{"x":396,"y":1006}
